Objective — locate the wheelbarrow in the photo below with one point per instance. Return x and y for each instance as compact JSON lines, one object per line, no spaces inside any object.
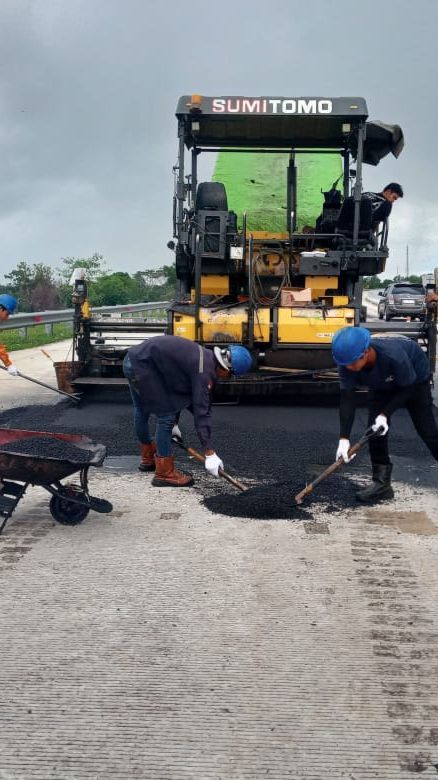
{"x":70,"y":503}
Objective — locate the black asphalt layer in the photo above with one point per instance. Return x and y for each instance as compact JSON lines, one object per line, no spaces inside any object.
{"x":47,"y":447}
{"x":276,"y":449}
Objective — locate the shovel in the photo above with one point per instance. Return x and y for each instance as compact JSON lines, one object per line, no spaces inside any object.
{"x":369,"y":433}
{"x":201,"y":458}
{"x":73,"y":398}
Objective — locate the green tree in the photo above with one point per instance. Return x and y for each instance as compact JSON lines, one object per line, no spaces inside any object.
{"x":34,"y":286}
{"x":116,"y":289}
{"x":413,"y":278}
{"x":159,"y":284}
{"x":372,"y":283}
{"x":95,"y":266}
{"x":169,"y":272}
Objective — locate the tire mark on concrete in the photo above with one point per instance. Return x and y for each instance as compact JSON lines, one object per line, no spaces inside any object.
{"x":404,"y":644}
{"x":21,"y":534}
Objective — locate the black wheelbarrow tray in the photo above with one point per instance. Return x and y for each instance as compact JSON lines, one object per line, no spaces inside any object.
{"x":70,"y":503}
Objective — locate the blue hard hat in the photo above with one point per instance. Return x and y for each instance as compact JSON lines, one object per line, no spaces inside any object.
{"x":234,"y":358}
{"x":8,"y":302}
{"x":241,"y":360}
{"x":349,"y":344}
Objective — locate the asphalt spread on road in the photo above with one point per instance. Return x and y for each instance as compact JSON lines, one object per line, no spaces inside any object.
{"x":275,"y":449}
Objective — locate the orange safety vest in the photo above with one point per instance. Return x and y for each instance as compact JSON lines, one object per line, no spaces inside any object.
{"x":4,"y":357}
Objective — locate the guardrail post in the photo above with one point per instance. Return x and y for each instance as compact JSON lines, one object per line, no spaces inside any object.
{"x":48,"y":327}
{"x":23,"y":333}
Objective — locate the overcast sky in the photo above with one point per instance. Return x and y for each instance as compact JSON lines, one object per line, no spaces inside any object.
{"x":88,"y":90}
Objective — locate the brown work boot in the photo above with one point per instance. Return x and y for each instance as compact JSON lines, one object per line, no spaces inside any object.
{"x":166,"y":475}
{"x":147,"y":452}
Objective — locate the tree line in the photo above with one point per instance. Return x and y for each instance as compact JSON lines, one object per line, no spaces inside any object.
{"x":38,"y":287}
{"x":374,"y":283}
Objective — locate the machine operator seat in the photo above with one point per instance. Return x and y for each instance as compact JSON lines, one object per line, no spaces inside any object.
{"x":211,"y":196}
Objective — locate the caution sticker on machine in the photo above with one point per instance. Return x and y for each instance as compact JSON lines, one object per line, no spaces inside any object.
{"x":324,"y":335}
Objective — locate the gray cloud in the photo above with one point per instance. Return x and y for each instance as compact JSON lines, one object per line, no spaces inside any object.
{"x":88,"y":92}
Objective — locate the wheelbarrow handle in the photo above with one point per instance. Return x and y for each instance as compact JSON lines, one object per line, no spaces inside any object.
{"x":369,"y":433}
{"x":201,"y":458}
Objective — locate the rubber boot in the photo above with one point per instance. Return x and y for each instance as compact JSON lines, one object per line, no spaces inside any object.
{"x":381,"y":487}
{"x":166,"y":475}
{"x":147,"y":452}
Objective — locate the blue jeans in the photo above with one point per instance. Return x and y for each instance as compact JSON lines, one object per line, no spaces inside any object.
{"x":165,"y":422}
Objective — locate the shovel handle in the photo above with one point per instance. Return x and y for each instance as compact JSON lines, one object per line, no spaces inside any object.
{"x":197,"y":455}
{"x":48,"y":387}
{"x":46,"y":354}
{"x":232,"y":481}
{"x":369,"y":433}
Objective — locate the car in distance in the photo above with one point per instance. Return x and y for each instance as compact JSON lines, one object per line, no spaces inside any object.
{"x":402,"y":299}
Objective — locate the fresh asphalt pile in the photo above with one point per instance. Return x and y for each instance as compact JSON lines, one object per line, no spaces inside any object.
{"x":275,"y":468}
{"x":107,"y":423}
{"x":274,"y":449}
{"x":47,"y":447}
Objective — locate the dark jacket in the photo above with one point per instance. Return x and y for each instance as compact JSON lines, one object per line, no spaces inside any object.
{"x":381,"y":208}
{"x":401,"y":365}
{"x":174,"y":373}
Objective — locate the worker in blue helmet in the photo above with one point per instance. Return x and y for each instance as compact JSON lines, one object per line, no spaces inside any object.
{"x":8,"y":304}
{"x":167,"y":374}
{"x":397,"y":373}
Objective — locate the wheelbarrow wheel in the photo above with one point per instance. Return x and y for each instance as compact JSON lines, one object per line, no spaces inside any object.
{"x":64,"y":511}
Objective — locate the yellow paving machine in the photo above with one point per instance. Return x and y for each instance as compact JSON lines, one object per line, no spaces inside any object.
{"x":255,"y":264}
{"x":272,"y":250}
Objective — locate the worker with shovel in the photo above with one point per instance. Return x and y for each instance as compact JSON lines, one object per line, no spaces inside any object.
{"x":397,"y":372}
{"x":8,"y":304}
{"x":167,"y":374}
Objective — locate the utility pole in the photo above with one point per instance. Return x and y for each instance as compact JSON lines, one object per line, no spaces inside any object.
{"x":407,"y":261}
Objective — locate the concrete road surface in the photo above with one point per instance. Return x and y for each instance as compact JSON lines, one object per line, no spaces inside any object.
{"x":15,"y":391}
{"x":169,"y":642}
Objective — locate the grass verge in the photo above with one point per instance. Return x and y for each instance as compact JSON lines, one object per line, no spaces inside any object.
{"x":36,"y":336}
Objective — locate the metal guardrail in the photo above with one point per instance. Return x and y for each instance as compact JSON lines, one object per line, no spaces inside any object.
{"x":49,"y":318}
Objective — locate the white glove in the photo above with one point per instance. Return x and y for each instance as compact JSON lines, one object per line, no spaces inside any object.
{"x":342,"y":451}
{"x":176,"y":432}
{"x":381,"y":421}
{"x":212,"y":464}
{"x":13,"y":370}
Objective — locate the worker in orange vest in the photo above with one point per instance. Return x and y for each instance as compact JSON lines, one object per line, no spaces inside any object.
{"x":8,"y":304}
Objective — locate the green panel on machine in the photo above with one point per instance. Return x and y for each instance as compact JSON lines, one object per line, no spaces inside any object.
{"x":257,"y":184}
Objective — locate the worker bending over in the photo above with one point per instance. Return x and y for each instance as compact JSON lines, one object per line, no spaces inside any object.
{"x":167,"y":374}
{"x":398,"y":374}
{"x":8,"y":304}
